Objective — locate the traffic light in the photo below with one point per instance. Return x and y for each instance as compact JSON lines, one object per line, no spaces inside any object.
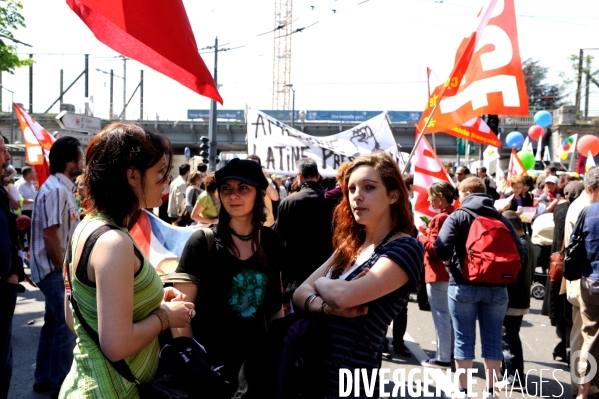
{"x":461,"y":147}
{"x":205,"y":149}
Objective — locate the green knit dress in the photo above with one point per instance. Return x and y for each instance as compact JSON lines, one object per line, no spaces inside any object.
{"x":91,"y":375}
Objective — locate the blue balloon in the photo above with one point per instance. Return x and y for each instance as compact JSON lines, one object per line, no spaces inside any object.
{"x":543,"y":118}
{"x":514,"y":140}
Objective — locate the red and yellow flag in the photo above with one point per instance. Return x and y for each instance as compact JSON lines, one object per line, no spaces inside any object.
{"x":38,"y":142}
{"x":487,"y":75}
{"x":475,"y":130}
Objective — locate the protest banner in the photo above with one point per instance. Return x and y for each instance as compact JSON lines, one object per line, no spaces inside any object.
{"x":280,"y":146}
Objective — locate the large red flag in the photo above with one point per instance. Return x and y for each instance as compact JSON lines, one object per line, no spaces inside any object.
{"x":427,"y":169}
{"x":38,"y":142}
{"x":487,"y":75}
{"x":155,"y":33}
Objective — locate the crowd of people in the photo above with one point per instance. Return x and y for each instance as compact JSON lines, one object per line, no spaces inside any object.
{"x":345,"y":252}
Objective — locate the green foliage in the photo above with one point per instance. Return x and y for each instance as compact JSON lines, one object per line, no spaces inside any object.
{"x":541,"y":96}
{"x":10,"y":20}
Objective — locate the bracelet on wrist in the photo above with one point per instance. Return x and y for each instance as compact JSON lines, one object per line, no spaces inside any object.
{"x":323,"y":309}
{"x":163,"y":316}
{"x":309,"y":301}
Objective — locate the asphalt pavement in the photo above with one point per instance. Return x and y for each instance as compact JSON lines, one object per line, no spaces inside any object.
{"x":545,"y":377}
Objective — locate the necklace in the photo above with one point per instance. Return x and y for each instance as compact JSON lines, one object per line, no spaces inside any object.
{"x":247,"y":237}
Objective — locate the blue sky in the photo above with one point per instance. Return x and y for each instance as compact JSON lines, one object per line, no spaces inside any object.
{"x":367,"y":55}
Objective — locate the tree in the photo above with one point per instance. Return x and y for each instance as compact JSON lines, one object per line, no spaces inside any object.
{"x":541,"y":96}
{"x":10,"y":20}
{"x":583,"y":77}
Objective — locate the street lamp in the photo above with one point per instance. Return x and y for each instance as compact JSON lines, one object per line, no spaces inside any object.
{"x":12,"y":112}
{"x":292,"y":105}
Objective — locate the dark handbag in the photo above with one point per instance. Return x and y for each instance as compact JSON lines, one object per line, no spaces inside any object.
{"x":182,"y":368}
{"x":556,"y":265}
{"x":575,"y":254}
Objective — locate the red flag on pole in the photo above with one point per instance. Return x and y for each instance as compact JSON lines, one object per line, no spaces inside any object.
{"x":155,"y":33}
{"x":487,"y":75}
{"x":38,"y":142}
{"x":515,"y":167}
{"x":427,"y":170}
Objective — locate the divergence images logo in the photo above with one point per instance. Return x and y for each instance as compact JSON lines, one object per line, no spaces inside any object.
{"x":583,"y":367}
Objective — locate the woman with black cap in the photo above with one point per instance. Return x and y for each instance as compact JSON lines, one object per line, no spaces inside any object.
{"x":239,"y":289}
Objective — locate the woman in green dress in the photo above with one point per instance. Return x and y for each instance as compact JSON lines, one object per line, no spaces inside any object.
{"x":118,"y":292}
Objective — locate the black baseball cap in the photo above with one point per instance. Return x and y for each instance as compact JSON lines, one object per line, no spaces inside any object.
{"x":249,"y":172}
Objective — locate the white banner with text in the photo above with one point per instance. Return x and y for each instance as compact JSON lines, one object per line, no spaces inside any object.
{"x":280,"y":146}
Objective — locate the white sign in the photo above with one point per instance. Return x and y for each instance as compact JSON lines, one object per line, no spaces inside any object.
{"x":71,"y":121}
{"x":280,"y":146}
{"x":84,"y":139}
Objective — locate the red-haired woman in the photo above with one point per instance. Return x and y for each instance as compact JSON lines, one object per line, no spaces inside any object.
{"x":375,"y":267}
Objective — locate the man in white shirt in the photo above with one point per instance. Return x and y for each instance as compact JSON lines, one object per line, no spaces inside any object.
{"x":176,"y":197}
{"x":54,"y":219}
{"x":26,"y":188}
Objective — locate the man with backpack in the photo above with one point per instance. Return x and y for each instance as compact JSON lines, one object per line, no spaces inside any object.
{"x":483,"y":253}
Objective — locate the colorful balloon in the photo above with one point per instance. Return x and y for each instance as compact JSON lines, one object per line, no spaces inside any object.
{"x":564,"y":156}
{"x":514,"y":139}
{"x":588,"y":143}
{"x":527,"y":159}
{"x":543,"y":118}
{"x":535,"y":132}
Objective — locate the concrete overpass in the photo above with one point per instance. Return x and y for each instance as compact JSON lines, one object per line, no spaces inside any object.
{"x":231,"y":135}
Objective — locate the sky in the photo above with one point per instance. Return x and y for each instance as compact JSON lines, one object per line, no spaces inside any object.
{"x":364,"y":55}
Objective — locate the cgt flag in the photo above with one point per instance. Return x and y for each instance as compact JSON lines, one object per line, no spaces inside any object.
{"x":155,"y":33}
{"x":38,"y":142}
{"x":427,"y":170}
{"x":475,"y":130}
{"x":487,"y":75}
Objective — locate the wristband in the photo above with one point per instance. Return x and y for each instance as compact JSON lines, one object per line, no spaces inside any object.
{"x":309,"y":301}
{"x":163,"y":316}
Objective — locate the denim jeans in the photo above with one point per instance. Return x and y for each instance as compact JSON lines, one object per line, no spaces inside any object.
{"x":513,"y":358}
{"x":8,"y":299}
{"x":55,"y":349}
{"x":487,"y":304}
{"x":437,"y":298}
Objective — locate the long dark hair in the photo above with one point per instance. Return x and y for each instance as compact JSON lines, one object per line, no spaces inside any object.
{"x":117,"y":148}
{"x":349,"y":235}
{"x":258,"y":218}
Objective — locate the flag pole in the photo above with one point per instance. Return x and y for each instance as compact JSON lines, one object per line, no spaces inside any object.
{"x":419,"y":139}
{"x":571,"y":164}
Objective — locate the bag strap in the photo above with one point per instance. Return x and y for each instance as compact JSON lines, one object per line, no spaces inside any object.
{"x":471,"y":213}
{"x":580,"y":221}
{"x":209,"y":237}
{"x":121,"y":366}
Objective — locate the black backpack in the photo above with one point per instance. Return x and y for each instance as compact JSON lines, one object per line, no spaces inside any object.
{"x":289,"y":361}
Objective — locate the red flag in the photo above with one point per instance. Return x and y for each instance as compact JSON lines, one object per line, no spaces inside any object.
{"x":487,"y":75}
{"x":475,"y":130}
{"x":515,"y":167}
{"x":427,"y":170}
{"x":38,"y":142}
{"x":155,"y":33}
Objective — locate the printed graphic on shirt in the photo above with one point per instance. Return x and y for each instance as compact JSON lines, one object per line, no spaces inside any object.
{"x":247,"y":292}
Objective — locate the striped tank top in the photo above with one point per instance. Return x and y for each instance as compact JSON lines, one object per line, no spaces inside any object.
{"x":91,"y":376}
{"x":355,"y":341}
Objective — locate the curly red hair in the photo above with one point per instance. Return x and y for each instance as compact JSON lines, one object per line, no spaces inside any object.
{"x":348,"y":235}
